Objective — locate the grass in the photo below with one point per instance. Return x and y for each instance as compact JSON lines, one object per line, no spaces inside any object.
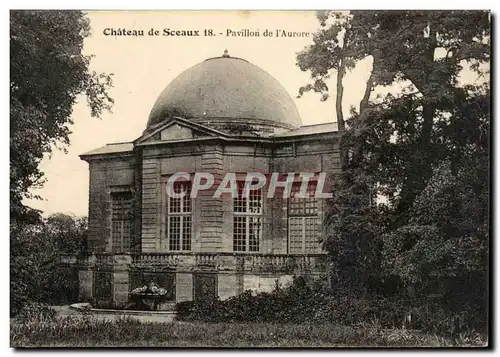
{"x":88,"y":331}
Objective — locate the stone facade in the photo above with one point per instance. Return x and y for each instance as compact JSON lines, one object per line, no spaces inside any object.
{"x":222,"y":115}
{"x":144,"y":171}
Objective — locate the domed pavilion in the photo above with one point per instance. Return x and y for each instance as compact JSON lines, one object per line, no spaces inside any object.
{"x":223,"y":115}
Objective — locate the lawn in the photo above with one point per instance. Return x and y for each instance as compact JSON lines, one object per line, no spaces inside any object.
{"x":90,"y":332}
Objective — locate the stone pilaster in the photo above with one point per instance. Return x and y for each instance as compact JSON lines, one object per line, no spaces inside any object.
{"x":85,"y":282}
{"x":184,"y":287}
{"x":239,"y":283}
{"x":227,"y":286}
{"x":121,"y":287}
{"x":151,"y":205}
{"x":211,"y":213}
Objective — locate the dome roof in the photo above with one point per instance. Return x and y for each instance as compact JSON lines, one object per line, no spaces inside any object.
{"x":227,"y":89}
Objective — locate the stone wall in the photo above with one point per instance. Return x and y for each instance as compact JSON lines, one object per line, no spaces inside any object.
{"x":106,"y":174}
{"x":145,"y":173}
{"x":113,"y":288}
{"x":108,"y":279}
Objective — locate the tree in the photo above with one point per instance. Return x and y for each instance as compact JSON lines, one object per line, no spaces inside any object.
{"x":397,"y":142}
{"x":337,"y":47}
{"x":405,"y":45}
{"x":35,"y":260}
{"x":47,"y":74}
{"x":443,"y":245}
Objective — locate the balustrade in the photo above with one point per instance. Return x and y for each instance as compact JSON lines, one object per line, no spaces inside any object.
{"x":258,"y":262}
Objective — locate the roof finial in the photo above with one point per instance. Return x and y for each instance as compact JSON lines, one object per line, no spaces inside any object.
{"x":226,"y":54}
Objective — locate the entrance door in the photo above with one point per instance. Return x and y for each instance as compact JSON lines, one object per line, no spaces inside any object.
{"x":205,"y":286}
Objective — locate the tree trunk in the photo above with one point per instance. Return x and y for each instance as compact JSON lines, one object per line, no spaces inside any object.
{"x":338,"y":104}
{"x":423,"y":157}
{"x":340,"y":95}
{"x":428,"y":110}
{"x":363,"y":105}
{"x":340,"y":121}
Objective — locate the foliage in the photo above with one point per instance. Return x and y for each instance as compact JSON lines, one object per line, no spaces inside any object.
{"x":294,"y":303}
{"x":443,"y":249}
{"x":402,"y":45}
{"x":303,"y":302}
{"x":75,"y":331}
{"x":35,"y":260}
{"x":47,"y":74}
{"x":424,"y":150}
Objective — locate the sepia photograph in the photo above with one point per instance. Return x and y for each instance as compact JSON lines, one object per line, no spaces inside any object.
{"x":250,"y":179}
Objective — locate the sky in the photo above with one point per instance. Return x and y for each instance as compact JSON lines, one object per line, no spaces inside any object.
{"x":142,"y":66}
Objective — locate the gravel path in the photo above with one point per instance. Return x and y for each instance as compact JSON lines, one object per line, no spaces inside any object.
{"x":65,"y":310}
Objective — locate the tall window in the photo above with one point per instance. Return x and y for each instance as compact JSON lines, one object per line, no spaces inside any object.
{"x":121,"y":221}
{"x":303,"y":221}
{"x":179,"y":219}
{"x":247,"y":221}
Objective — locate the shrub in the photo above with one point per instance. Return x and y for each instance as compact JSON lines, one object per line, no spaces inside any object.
{"x":184,"y":309}
{"x":293,"y":304}
{"x":302,"y":302}
{"x":35,"y":266}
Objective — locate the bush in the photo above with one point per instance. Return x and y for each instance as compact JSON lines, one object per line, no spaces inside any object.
{"x":295,"y":303}
{"x":302,"y":302}
{"x":184,"y":309}
{"x":36,"y":274}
